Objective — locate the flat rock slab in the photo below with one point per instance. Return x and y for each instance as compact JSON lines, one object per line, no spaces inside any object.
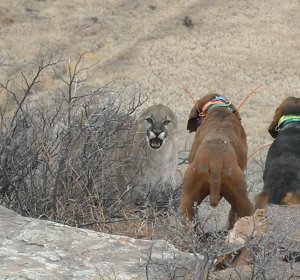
{"x":37,"y":249}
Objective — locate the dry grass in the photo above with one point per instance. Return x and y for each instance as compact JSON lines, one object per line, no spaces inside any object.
{"x":232,"y":47}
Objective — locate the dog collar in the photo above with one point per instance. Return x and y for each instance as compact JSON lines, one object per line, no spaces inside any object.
{"x":286,"y":119}
{"x":218,"y":101}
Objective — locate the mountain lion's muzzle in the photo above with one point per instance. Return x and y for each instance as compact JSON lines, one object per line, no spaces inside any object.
{"x":157,"y":133}
{"x":156,"y":138}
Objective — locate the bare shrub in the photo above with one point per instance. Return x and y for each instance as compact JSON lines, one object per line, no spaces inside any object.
{"x":270,"y":251}
{"x":59,"y":157}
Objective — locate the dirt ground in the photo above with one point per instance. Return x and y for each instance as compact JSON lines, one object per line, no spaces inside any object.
{"x":229,"y":46}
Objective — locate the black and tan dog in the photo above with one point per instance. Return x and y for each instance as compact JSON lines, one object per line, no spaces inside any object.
{"x":282,"y":167}
{"x":217,"y":158}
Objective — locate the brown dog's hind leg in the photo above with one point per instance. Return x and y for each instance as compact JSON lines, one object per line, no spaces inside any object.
{"x":241,"y":204}
{"x":232,"y":217}
{"x":188,"y":201}
{"x":240,"y":207}
{"x":193,"y":192}
{"x":186,"y":206}
{"x":236,"y":194}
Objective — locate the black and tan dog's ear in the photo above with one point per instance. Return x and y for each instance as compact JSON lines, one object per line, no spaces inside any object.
{"x":194,"y":120}
{"x":272,"y":127}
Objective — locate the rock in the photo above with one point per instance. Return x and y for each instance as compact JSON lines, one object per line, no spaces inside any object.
{"x":274,"y":221}
{"x":267,"y":242}
{"x":38,"y":249}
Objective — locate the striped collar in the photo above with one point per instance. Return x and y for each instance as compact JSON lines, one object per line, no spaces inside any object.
{"x":218,"y":101}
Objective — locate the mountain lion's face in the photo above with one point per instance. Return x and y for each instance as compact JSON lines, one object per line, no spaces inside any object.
{"x":159,"y":123}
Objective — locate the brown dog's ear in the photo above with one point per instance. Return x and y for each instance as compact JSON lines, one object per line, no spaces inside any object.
{"x":272,"y":127}
{"x":235,"y":112}
{"x":194,"y":120}
{"x":193,"y":124}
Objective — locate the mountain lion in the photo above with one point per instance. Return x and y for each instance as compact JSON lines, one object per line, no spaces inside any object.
{"x":154,"y":156}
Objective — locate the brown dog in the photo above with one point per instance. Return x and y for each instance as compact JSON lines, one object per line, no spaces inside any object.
{"x":217,"y":158}
{"x":282,"y":167}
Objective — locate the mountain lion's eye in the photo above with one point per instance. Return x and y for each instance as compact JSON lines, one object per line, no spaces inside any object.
{"x":166,"y":122}
{"x":149,"y":120}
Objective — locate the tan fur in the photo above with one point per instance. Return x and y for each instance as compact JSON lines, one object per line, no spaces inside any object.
{"x":138,"y":168}
{"x":291,"y":199}
{"x":157,"y":167}
{"x":261,"y":200}
{"x":217,"y":160}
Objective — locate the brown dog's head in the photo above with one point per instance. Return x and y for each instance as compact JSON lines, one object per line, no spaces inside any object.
{"x":195,"y":118}
{"x":290,"y":106}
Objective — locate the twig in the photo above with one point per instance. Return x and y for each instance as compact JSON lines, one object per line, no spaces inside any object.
{"x":252,"y":92}
{"x":111,"y":221}
{"x":191,"y":96}
{"x":260,"y":148}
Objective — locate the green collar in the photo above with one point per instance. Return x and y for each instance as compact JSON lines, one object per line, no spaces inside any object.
{"x":288,"y":119}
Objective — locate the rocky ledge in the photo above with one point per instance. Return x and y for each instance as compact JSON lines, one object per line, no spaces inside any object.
{"x":38,"y":249}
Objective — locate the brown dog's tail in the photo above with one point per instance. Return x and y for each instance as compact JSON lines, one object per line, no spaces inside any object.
{"x":215,"y":182}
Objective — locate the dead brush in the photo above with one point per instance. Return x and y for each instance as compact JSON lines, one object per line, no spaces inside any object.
{"x":133,"y":224}
{"x":55,"y":163}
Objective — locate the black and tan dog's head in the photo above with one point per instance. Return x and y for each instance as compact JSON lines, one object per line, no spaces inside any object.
{"x":198,"y":111}
{"x":290,"y":106}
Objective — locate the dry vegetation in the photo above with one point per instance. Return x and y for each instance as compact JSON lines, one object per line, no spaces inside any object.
{"x":56,"y":145}
{"x":57,"y":159}
{"x":61,"y":161}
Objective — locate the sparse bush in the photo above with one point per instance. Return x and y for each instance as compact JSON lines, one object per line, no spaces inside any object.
{"x":269,"y":252}
{"x":58,"y":161}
